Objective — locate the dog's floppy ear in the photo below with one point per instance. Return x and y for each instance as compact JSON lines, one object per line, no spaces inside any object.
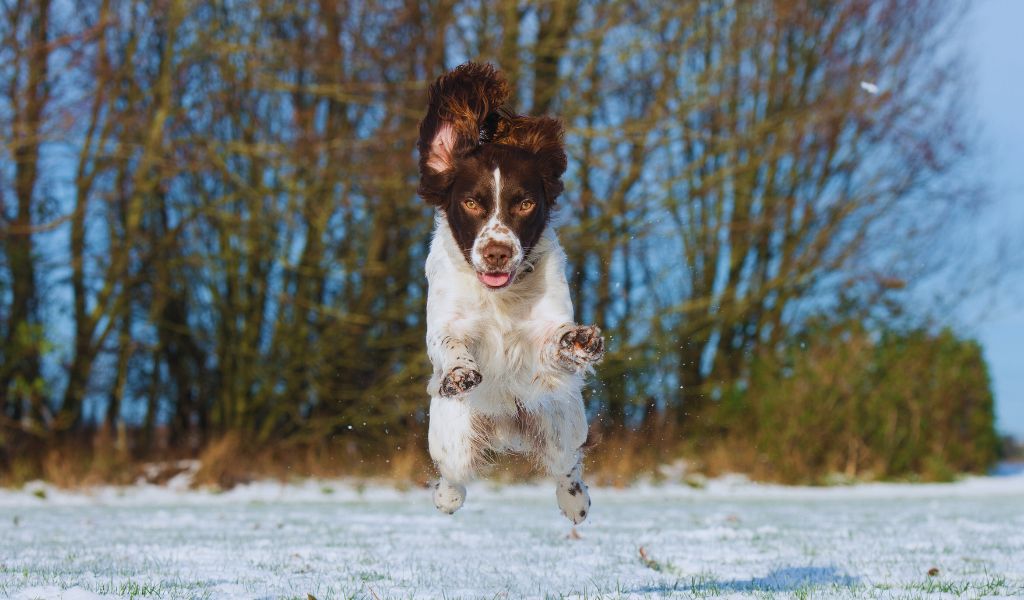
{"x":541,"y":136}
{"x":460,"y":112}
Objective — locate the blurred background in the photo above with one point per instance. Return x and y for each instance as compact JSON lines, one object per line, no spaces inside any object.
{"x":797,"y":223}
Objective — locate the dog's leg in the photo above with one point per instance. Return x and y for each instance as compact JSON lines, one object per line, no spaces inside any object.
{"x":450,"y":437}
{"x":562,"y":426}
{"x":459,"y":373}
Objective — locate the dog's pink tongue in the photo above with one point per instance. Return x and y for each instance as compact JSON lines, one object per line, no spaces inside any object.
{"x":494,"y":279}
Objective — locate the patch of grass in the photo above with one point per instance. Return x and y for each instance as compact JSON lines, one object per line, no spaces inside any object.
{"x":703,"y":585}
{"x":129,"y":588}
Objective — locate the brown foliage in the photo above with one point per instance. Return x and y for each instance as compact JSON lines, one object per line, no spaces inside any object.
{"x":234,"y":196}
{"x":846,"y":402}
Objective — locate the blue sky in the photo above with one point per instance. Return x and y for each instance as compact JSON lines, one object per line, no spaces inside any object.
{"x":995,"y":49}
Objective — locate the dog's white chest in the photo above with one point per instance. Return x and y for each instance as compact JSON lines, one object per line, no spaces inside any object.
{"x":505,"y":331}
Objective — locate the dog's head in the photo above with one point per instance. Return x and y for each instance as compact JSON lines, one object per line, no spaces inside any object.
{"x":495,"y":175}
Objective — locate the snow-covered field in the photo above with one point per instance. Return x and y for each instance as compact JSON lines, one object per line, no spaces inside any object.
{"x":339,"y":540}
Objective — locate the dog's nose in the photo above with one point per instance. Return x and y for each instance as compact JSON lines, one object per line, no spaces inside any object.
{"x":496,"y":255}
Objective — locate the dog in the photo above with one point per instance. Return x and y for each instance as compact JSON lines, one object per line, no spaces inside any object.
{"x":508,"y":359}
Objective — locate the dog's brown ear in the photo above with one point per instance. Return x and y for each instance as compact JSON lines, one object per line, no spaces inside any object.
{"x":460,"y":112}
{"x":543,"y":137}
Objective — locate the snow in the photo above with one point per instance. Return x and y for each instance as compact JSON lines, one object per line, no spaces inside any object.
{"x":341,"y":539}
{"x":52,"y":591}
{"x":869,"y":87}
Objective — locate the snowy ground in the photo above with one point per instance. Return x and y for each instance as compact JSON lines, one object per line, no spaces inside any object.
{"x":336,"y":540}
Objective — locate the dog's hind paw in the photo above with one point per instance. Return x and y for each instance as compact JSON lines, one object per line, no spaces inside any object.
{"x":460,"y":380}
{"x":581,"y":346}
{"x":573,"y":498}
{"x":448,"y":497}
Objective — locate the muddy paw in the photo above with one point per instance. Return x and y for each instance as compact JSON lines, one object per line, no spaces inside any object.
{"x":583,"y":345}
{"x":459,"y":381}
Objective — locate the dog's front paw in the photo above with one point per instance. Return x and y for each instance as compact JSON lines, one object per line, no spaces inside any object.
{"x":460,"y":380}
{"x":581,"y":346}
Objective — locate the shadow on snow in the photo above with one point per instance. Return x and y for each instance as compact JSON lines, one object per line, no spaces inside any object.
{"x":787,"y":579}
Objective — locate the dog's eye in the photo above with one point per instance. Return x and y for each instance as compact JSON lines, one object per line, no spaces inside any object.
{"x":526,"y":205}
{"x":471,"y":204}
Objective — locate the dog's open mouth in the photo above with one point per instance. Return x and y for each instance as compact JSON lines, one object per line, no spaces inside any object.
{"x":494,"y":280}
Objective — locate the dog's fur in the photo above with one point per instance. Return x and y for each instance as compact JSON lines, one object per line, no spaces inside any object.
{"x":508,"y":359}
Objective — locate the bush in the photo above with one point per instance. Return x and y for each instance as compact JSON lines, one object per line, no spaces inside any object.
{"x":840,"y":399}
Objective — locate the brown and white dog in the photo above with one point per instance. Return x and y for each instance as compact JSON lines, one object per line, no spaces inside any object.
{"x":508,"y":359}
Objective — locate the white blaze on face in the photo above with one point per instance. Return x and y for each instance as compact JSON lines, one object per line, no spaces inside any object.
{"x":496,"y":231}
{"x":497,"y":192}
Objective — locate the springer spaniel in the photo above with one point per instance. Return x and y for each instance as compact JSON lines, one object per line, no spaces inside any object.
{"x":508,"y":359}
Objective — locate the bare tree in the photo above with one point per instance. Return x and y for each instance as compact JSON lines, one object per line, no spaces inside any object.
{"x":246,"y":249}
